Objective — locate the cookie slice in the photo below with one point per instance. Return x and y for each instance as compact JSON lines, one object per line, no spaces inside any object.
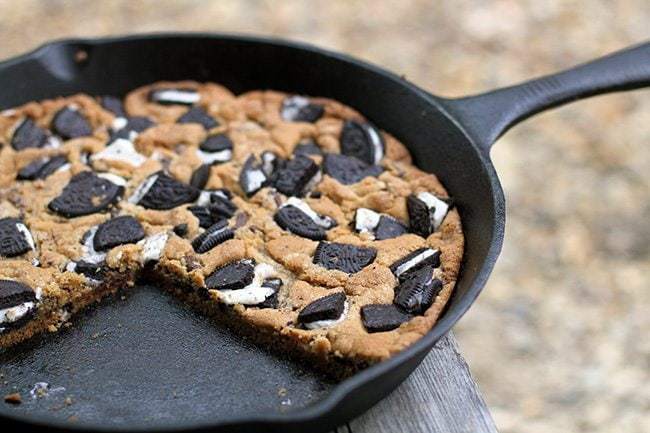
{"x":232,"y":276}
{"x":251,"y":177}
{"x":113,"y":104}
{"x":297,"y":176}
{"x":426,"y":213}
{"x":379,"y":226}
{"x":41,"y":168}
{"x":70,"y":123}
{"x":85,"y":194}
{"x":343,"y":257}
{"x":170,"y":96}
{"x":363,"y":141}
{"x":27,"y":135}
{"x":300,"y":109}
{"x":348,"y":169}
{"x":216,"y":234}
{"x":162,"y":192}
{"x":117,"y":231}
{"x":15,"y":238}
{"x":323,"y":312}
{"x":414,"y":261}
{"x":382,"y":317}
{"x":200,"y":116}
{"x":416,"y":292}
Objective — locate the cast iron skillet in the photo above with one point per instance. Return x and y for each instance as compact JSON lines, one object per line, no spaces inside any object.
{"x":147,"y":363}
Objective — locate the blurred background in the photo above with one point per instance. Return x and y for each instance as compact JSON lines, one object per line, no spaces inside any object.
{"x":559,"y":340}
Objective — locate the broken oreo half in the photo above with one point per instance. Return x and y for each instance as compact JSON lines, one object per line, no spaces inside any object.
{"x":28,"y":134}
{"x":117,"y":231}
{"x":233,"y":276}
{"x":343,"y":257}
{"x":297,"y":176}
{"x":382,"y":317}
{"x":363,"y":141}
{"x":86,"y":193}
{"x":348,"y":169}
{"x":14,"y":293}
{"x":216,"y":234}
{"x":162,"y":192}
{"x":426,"y":213}
{"x":200,"y":116}
{"x":296,"y":221}
{"x":414,"y":261}
{"x":170,"y":96}
{"x":330,"y":307}
{"x":379,"y":226}
{"x":15,"y":238}
{"x":41,"y":168}
{"x":70,"y":123}
{"x":300,"y":109}
{"x":418,"y":290}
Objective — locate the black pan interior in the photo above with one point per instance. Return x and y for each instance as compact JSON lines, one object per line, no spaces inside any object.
{"x":436,"y":141}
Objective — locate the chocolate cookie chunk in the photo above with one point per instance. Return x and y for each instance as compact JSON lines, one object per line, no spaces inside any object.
{"x":198,"y":115}
{"x":162,"y":192}
{"x":298,"y":222}
{"x":27,"y":135}
{"x":299,"y":109}
{"x":363,"y":141}
{"x":86,"y":193}
{"x":216,"y":234}
{"x":15,"y":238}
{"x":426,"y":213}
{"x":41,"y":168}
{"x":328,"y":307}
{"x":297,"y":176}
{"x":415,"y":260}
{"x":113,"y":104}
{"x":271,"y":301}
{"x":418,"y":290}
{"x":348,"y":169}
{"x":117,"y":231}
{"x":70,"y":123}
{"x":180,"y":96}
{"x":251,"y":177}
{"x":200,"y":176}
{"x":233,"y":276}
{"x":343,"y":257}
{"x":13,"y":293}
{"x":382,"y":317}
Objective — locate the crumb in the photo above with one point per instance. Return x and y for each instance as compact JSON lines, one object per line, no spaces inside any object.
{"x":13,"y":398}
{"x":68,"y":401}
{"x":282,"y":391}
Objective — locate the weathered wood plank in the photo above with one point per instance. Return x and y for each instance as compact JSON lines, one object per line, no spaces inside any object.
{"x":440,"y":396}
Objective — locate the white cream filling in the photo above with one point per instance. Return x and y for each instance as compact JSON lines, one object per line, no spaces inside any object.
{"x":90,"y":255}
{"x":117,"y":180}
{"x":313,"y":181}
{"x":119,"y":123}
{"x":143,"y":189}
{"x":255,"y":178}
{"x":414,"y":261}
{"x":123,"y":150}
{"x":330,"y":322}
{"x":177,"y":96}
{"x":268,"y":158}
{"x":26,"y":233}
{"x":323,"y":221}
{"x":12,"y":314}
{"x":375,"y":140}
{"x":292,"y":106}
{"x":211,"y":157}
{"x":254,"y":293}
{"x":440,"y":207}
{"x":153,"y":246}
{"x":53,"y":142}
{"x":64,"y":167}
{"x":366,"y":220}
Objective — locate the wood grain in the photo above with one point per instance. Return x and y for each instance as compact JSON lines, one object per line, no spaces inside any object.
{"x":440,"y":396}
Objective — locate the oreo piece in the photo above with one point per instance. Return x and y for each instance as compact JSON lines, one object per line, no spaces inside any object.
{"x":133,"y":125}
{"x":113,"y":104}
{"x":389,"y":228}
{"x":329,"y":307}
{"x":296,"y":176}
{"x":203,"y":214}
{"x":251,"y":177}
{"x":308,"y":147}
{"x":200,"y":116}
{"x":15,"y":238}
{"x":382,"y":317}
{"x":41,"y":168}
{"x":418,"y":290}
{"x":348,"y":169}
{"x":216,"y":234}
{"x":216,"y":143}
{"x":380,"y":226}
{"x":162,"y":192}
{"x":426,"y":213}
{"x":94,"y":271}
{"x":363,"y":141}
{"x":200,"y":176}
{"x":221,"y":206}
{"x":69,"y":123}
{"x":180,"y":229}
{"x":86,"y":193}
{"x":298,"y":222}
{"x":180,"y":96}
{"x":343,"y":257}
{"x":233,"y":276}
{"x":271,"y":163}
{"x":414,"y":261}
{"x":27,"y":135}
{"x":117,"y":231}
{"x":299,"y":109}
{"x":272,"y":300}
{"x":14,"y":293}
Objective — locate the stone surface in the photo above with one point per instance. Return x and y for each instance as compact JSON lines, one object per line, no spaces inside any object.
{"x":558,"y":340}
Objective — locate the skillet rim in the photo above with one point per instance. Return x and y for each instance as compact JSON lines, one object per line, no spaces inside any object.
{"x":342,"y":390}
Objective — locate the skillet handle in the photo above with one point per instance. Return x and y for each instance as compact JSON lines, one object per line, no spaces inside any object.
{"x":487,"y":116}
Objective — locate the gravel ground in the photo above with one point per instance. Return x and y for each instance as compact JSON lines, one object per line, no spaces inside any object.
{"x":559,"y":339}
